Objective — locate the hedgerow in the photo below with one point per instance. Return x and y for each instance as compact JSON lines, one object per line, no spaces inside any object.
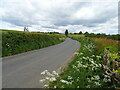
{"x":18,"y":42}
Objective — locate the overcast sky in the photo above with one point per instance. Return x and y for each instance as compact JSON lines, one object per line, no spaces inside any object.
{"x":94,"y":16}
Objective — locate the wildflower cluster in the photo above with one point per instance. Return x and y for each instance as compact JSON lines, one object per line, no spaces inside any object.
{"x":48,"y":77}
{"x":85,"y":71}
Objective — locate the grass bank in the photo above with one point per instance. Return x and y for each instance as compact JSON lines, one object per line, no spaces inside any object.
{"x":85,"y":71}
{"x":18,"y":42}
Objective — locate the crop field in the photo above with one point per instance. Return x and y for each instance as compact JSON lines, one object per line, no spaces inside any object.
{"x":90,"y":68}
{"x":17,"y":42}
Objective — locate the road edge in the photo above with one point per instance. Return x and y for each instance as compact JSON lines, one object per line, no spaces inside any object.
{"x":67,"y":62}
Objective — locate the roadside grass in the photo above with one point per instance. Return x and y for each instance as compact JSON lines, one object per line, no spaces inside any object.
{"x":102,"y":43}
{"x":113,"y":52}
{"x":18,"y":42}
{"x":85,"y":71}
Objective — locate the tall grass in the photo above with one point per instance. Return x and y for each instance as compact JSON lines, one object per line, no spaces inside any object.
{"x":18,"y":42}
{"x":102,"y":43}
{"x":86,"y":70}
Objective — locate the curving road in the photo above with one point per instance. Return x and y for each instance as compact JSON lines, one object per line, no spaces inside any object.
{"x":23,"y":70}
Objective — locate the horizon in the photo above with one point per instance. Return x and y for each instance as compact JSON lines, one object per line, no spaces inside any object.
{"x":64,"y":32}
{"x":42,"y":16}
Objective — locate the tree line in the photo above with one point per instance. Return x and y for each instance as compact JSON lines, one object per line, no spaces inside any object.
{"x":103,"y":35}
{"x":98,"y":35}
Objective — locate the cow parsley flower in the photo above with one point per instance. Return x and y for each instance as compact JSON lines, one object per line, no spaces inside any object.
{"x":66,"y":82}
{"x":88,"y":86}
{"x":69,"y":77}
{"x":97,"y":77}
{"x":52,"y":79}
{"x":54,"y":73}
{"x":42,"y":80}
{"x":97,"y":83}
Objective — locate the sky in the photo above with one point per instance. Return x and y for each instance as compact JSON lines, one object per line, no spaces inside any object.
{"x":93,"y":16}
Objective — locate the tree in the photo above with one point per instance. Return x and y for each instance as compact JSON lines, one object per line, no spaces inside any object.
{"x":86,"y":33}
{"x":80,"y":32}
{"x":66,"y":32}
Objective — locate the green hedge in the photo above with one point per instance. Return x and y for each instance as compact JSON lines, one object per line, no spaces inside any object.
{"x":18,"y":42}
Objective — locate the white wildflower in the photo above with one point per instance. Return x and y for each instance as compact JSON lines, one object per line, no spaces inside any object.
{"x":74,"y":67}
{"x":81,"y":53}
{"x":55,"y":87}
{"x":42,"y":80}
{"x":100,"y":65}
{"x":66,"y":82}
{"x":106,"y":76}
{"x":98,"y":57}
{"x":105,"y":80}
{"x":84,"y":57}
{"x":92,"y":78}
{"x":43,"y":73}
{"x":109,"y":80}
{"x":63,"y":81}
{"x":92,"y":62}
{"x":45,"y":85}
{"x":54,"y":73}
{"x":49,"y":74}
{"x":107,"y":73}
{"x":69,"y":77}
{"x":47,"y":78}
{"x":76,"y":53}
{"x":79,"y":65}
{"x":97,"y":83}
{"x":97,"y":77}
{"x":84,"y":66}
{"x":92,"y":68}
{"x":93,"y":55}
{"x":53,"y":79}
{"x":88,"y":86}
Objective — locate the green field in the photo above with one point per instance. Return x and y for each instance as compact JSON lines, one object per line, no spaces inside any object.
{"x":77,"y":36}
{"x":7,"y":30}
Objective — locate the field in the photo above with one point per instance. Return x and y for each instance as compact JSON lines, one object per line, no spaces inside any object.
{"x":90,"y":68}
{"x":77,"y":36}
{"x":4,"y":30}
{"x":17,"y":42}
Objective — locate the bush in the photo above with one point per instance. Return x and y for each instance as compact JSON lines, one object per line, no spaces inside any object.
{"x":18,"y":42}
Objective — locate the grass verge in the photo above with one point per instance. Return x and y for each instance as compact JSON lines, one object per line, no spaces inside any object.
{"x":18,"y":42}
{"x":85,"y":71}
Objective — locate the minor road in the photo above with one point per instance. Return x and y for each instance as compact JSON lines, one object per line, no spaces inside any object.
{"x":23,"y":70}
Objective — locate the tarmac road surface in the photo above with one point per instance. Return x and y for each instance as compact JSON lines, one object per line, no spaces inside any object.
{"x":23,"y":70}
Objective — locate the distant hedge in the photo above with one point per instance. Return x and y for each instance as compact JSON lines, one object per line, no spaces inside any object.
{"x":114,"y":37}
{"x":18,"y":42}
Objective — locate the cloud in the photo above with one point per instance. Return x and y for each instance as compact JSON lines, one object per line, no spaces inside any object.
{"x":57,"y":15}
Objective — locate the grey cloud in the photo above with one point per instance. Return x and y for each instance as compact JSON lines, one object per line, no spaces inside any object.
{"x":34,"y":13}
{"x":53,"y":27}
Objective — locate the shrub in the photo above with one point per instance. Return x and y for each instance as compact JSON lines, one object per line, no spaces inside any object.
{"x":18,"y":42}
